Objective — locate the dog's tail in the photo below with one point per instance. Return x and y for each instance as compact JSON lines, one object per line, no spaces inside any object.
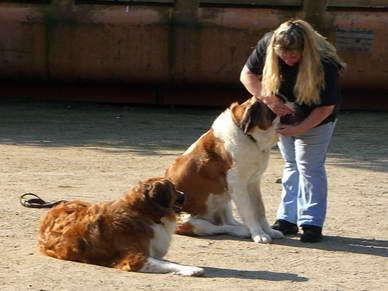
{"x":36,"y":201}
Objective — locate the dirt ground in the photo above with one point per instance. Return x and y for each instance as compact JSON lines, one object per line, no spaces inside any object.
{"x":96,"y":152}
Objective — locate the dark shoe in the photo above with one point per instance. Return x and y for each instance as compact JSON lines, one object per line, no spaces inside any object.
{"x":311,"y":233}
{"x":285,"y":227}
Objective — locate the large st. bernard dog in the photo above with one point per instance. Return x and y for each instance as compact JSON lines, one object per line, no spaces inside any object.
{"x":224,"y":164}
{"x":131,"y":234}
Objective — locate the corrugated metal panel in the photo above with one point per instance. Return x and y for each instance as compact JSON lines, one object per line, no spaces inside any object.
{"x":174,"y":44}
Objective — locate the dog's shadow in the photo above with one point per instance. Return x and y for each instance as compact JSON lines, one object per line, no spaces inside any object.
{"x":354,"y":245}
{"x":211,"y":272}
{"x":342,"y":244}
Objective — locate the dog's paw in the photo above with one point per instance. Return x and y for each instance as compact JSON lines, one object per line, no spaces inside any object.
{"x":276,"y":234}
{"x":262,"y":238}
{"x":190,"y":271}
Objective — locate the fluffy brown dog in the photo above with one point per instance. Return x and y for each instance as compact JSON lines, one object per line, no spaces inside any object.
{"x":131,"y":234}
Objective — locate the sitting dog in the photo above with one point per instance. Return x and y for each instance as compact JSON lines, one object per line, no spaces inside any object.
{"x":224,"y":164}
{"x":131,"y":234}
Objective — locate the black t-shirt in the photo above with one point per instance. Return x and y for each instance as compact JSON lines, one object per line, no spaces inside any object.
{"x":330,"y":95}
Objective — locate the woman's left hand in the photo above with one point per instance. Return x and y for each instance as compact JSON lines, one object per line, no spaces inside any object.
{"x":289,"y":130}
{"x":315,"y":117}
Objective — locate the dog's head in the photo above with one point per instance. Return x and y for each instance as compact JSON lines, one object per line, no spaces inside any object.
{"x":252,"y":113}
{"x":161,"y":196}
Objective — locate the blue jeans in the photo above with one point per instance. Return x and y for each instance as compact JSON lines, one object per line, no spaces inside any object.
{"x":304,"y":182}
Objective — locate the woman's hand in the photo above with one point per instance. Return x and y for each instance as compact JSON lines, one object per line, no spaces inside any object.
{"x":316,"y":117}
{"x":276,"y":105}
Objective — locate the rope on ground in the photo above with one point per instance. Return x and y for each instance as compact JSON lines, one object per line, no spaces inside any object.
{"x":36,"y":202}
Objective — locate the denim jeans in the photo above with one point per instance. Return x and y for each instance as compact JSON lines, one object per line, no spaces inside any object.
{"x":304,"y":182}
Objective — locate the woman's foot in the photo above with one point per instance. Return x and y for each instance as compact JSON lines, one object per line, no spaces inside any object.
{"x":285,"y":227}
{"x":311,"y":233}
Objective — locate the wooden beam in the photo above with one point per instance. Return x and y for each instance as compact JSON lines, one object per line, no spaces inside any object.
{"x":287,"y":3}
{"x":358,"y":4}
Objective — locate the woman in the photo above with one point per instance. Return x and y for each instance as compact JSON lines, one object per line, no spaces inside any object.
{"x":298,"y":64}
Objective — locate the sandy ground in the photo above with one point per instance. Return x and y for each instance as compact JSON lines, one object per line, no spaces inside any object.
{"x":96,"y":152}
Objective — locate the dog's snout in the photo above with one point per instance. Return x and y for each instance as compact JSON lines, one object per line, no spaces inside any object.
{"x":180,"y":198}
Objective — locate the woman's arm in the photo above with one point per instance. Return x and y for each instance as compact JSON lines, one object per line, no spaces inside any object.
{"x":316,"y":117}
{"x":252,"y":83}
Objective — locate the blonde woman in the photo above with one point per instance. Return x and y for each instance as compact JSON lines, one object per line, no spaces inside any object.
{"x":297,"y":64}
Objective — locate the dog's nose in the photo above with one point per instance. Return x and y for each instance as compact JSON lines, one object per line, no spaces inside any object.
{"x":180,"y":198}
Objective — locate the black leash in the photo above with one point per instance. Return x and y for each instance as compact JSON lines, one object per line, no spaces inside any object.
{"x":36,"y":201}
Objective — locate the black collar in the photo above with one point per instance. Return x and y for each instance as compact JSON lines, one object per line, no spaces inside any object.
{"x":251,"y":138}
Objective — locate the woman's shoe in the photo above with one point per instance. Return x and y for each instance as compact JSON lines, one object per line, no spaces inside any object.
{"x":311,"y":233}
{"x":285,"y":227}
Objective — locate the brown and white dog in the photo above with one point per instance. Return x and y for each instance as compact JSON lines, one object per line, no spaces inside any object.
{"x":131,"y":234}
{"x":224,"y":164}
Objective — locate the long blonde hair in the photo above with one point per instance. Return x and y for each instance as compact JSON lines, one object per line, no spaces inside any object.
{"x":299,"y":35}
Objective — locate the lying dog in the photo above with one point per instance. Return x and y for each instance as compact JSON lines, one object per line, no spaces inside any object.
{"x":224,"y":164}
{"x":131,"y":234}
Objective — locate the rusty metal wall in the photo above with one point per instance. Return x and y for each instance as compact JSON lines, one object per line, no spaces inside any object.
{"x":171,"y":45}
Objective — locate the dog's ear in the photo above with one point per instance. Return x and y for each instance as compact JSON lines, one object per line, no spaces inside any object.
{"x":160,"y":192}
{"x":252,"y":113}
{"x":251,"y":117}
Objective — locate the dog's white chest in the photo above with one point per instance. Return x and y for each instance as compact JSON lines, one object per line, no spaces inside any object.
{"x":241,"y":148}
{"x":162,"y":238}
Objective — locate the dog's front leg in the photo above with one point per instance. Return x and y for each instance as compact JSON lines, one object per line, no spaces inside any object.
{"x":254,"y":190}
{"x":227,"y":215}
{"x":138,"y":263}
{"x":247,"y":205}
{"x":153,"y":265}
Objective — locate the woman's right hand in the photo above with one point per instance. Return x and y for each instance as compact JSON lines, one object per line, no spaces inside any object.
{"x":276,"y":105}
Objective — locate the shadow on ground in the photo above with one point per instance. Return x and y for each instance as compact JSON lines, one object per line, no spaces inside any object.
{"x":360,"y":139}
{"x":342,"y":244}
{"x":256,"y":275}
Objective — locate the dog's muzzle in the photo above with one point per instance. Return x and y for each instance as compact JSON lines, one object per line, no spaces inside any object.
{"x":180,"y":199}
{"x":295,"y":118}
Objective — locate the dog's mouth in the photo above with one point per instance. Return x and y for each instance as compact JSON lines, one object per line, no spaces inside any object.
{"x":179,"y":201}
{"x":295,"y":118}
{"x":290,"y":119}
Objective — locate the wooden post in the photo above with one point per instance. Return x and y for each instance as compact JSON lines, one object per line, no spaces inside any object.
{"x":188,"y":6}
{"x":184,"y":40}
{"x":314,"y":11}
